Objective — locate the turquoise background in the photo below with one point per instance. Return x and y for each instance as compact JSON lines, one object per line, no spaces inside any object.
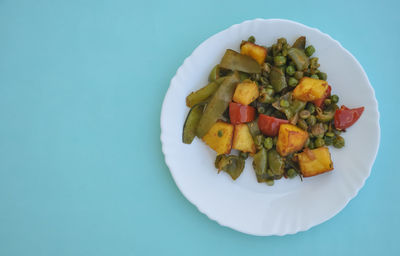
{"x":81,"y":167}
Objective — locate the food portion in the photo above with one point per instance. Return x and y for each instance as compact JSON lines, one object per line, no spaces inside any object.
{"x":273,"y":104}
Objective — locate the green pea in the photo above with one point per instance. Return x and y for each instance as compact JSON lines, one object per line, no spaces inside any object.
{"x":314,"y":76}
{"x":328,"y":140}
{"x":338,"y":142}
{"x":302,"y":124}
{"x":251,"y":39}
{"x":304,"y":114}
{"x":309,"y":50}
{"x":261,"y":110}
{"x":327,"y":102}
{"x":270,"y":182}
{"x":298,"y":75}
{"x":290,"y":70}
{"x":270,"y":91}
{"x":291,"y":173}
{"x":335,"y":98}
{"x":337,"y":132}
{"x":268,"y":143}
{"x":319,"y":142}
{"x":311,"y":108}
{"x":292,"y":81}
{"x":243,"y":155}
{"x":279,"y":60}
{"x":311,"y":120}
{"x":330,"y":134}
{"x":322,"y":76}
{"x":265,"y":98}
{"x":259,"y":140}
{"x":284,"y":103}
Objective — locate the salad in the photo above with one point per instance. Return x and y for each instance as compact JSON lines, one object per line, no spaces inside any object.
{"x":273,"y":104}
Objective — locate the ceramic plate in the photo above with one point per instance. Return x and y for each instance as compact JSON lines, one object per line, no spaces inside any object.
{"x":289,"y":206}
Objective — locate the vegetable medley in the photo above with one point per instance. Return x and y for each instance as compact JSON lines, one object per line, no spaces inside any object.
{"x":274,"y":104}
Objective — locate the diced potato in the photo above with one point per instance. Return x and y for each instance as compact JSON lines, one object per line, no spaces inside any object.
{"x":310,"y":89}
{"x":246,"y":92}
{"x":314,"y":162}
{"x":219,"y":137}
{"x":290,"y":139}
{"x":257,"y":52}
{"x":242,"y":139}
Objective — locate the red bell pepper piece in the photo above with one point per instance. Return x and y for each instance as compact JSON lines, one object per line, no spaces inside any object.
{"x":239,"y":113}
{"x":270,"y":125}
{"x":319,"y":102}
{"x":345,"y":117}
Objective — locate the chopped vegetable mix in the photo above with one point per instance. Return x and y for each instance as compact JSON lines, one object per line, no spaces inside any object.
{"x":271,"y":103}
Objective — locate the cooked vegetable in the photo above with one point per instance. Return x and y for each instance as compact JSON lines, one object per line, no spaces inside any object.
{"x":214,"y":74}
{"x":255,"y":51}
{"x":314,"y":162}
{"x":290,"y":139}
{"x":319,"y":102}
{"x":235,"y":61}
{"x":290,"y":70}
{"x":338,"y":142}
{"x":239,"y":113}
{"x":269,"y":125}
{"x":219,"y":137}
{"x":233,"y":165}
{"x":325,"y":116}
{"x":289,"y":106}
{"x":346,"y":117}
{"x":299,"y":58}
{"x":242,"y":139}
{"x":310,"y":89}
{"x":277,"y":78}
{"x":276,"y":163}
{"x":218,"y":104}
{"x":260,"y":165}
{"x":309,"y":50}
{"x":279,"y":60}
{"x":253,"y":128}
{"x":246,"y":92}
{"x":190,"y":126}
{"x":300,"y":43}
{"x":204,"y":93}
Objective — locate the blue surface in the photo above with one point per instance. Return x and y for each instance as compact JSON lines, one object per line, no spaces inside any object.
{"x":81,"y":88}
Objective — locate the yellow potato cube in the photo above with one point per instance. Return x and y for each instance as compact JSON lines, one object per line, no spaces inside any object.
{"x":310,"y":89}
{"x":290,"y":139}
{"x":257,"y":52}
{"x":246,"y":92}
{"x":242,"y":139}
{"x":314,"y":162}
{"x":219,"y":137}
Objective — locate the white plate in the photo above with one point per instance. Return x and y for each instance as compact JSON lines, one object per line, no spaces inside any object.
{"x":289,"y":206}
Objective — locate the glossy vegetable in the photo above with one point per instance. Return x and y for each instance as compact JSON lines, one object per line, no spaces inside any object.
{"x":346,"y":117}
{"x":204,"y":93}
{"x":190,"y":126}
{"x":239,"y":113}
{"x":277,"y":78}
{"x":233,"y":165}
{"x":217,"y":105}
{"x":299,"y":58}
{"x":235,"y":61}
{"x":260,"y":165}
{"x":269,"y":125}
{"x":290,"y":139}
{"x":219,"y":137}
{"x":255,"y":51}
{"x":242,"y":139}
{"x":314,"y":162}
{"x":310,"y":89}
{"x":246,"y":92}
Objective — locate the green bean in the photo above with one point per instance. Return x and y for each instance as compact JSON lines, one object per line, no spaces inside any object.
{"x":191,"y":123}
{"x":335,"y":98}
{"x":304,"y":114}
{"x":276,"y":162}
{"x":243,"y":155}
{"x":311,"y":120}
{"x":298,"y":75}
{"x":277,"y":79}
{"x":260,"y":163}
{"x":268,"y":143}
{"x":292,"y":81}
{"x":319,"y":142}
{"x":290,"y":70}
{"x":314,"y":76}
{"x":279,"y":60}
{"x":235,"y":61}
{"x":265,"y":98}
{"x":309,"y":50}
{"x":299,"y":58}
{"x":338,"y":142}
{"x":233,"y":165}
{"x":251,"y":39}
{"x":322,"y":76}
{"x":214,"y":74}
{"x":291,"y":173}
{"x":302,"y":124}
